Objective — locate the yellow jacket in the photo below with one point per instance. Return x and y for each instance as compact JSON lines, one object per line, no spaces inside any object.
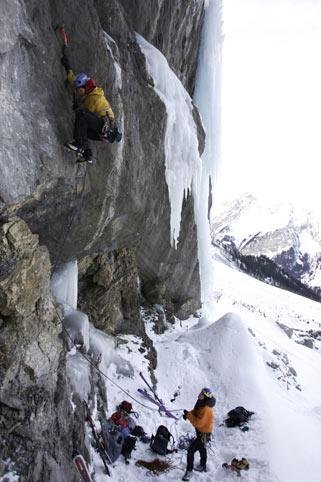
{"x":95,"y":101}
{"x":202,"y":418}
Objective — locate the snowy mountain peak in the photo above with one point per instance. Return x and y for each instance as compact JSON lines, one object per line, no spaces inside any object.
{"x":282,"y":233}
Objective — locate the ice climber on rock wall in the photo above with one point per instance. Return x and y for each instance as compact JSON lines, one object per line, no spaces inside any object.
{"x":202,"y":418}
{"x":94,"y":117}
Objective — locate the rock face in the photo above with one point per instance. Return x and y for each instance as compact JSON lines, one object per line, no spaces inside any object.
{"x":121,"y":201}
{"x":109,"y":291}
{"x":113,"y":216}
{"x":174,"y":30}
{"x":35,"y":413}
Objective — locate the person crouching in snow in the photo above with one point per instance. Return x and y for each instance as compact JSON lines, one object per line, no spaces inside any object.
{"x":202,"y":418}
{"x":94,"y":116}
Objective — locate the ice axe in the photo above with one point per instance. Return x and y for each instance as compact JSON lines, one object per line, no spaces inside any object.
{"x":63,"y":35}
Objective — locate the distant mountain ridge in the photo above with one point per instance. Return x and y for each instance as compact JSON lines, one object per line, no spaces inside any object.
{"x":279,"y":244}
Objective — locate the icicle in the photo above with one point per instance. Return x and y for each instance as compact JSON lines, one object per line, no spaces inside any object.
{"x":181,"y":142}
{"x":64,"y":285}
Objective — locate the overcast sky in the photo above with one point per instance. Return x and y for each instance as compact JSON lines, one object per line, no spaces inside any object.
{"x":271,"y":100}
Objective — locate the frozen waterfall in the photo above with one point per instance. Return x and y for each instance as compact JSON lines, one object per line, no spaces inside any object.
{"x":184,"y":168}
{"x":182,"y":158}
{"x":207,"y":98}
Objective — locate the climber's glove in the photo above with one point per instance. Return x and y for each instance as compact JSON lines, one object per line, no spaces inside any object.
{"x":112,"y":124}
{"x":65,"y":62}
{"x":106,"y":126}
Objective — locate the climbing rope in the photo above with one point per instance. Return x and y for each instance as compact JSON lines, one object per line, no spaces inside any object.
{"x":156,"y":466}
{"x":185,"y":440}
{"x":93,"y":364}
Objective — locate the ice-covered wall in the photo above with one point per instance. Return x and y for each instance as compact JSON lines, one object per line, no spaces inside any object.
{"x":181,"y":142}
{"x":207,"y":95}
{"x":174,"y":30}
{"x":207,"y":99}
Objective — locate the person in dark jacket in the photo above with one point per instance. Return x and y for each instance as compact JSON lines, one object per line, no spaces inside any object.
{"x":202,"y":418}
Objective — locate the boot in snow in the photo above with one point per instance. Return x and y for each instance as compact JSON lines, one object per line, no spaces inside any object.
{"x":200,"y":468}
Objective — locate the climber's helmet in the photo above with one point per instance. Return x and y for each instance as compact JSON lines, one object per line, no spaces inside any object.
{"x":81,"y":80}
{"x":207,"y":392}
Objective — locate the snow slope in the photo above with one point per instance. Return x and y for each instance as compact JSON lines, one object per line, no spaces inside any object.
{"x":248,"y":360}
{"x":292,"y":380}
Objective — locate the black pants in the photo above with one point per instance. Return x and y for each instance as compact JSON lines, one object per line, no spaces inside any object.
{"x":87,"y":126}
{"x":196,"y":445}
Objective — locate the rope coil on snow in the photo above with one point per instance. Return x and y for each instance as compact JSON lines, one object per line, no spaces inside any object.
{"x":156,"y":466}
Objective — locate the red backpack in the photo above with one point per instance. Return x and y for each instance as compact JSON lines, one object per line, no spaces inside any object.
{"x":119,"y":420}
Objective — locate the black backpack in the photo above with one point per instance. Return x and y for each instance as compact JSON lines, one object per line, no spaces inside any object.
{"x":237,"y":417}
{"x":138,"y":431}
{"x":160,"y":441}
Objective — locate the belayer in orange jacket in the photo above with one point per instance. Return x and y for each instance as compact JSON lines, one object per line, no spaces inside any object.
{"x":94,"y":117}
{"x":202,"y":418}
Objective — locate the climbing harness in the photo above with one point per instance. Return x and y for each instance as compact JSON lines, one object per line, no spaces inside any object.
{"x":185,"y":441}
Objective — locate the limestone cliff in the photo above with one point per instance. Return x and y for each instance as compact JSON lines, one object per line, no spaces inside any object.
{"x":113,"y":216}
{"x":36,"y":419}
{"x":123,"y":200}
